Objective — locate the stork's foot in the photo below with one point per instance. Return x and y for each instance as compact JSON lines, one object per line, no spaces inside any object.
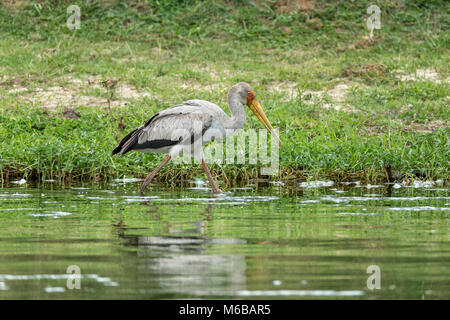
{"x":214,"y":186}
{"x":144,"y":186}
{"x":217,"y":190}
{"x":143,"y":190}
{"x":147,"y":181}
{"x":152,"y":174}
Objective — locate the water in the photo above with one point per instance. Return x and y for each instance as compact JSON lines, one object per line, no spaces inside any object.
{"x":314,"y":241}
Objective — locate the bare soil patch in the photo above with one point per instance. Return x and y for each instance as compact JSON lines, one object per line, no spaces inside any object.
{"x":365,"y":71}
{"x":287,"y":6}
{"x":427,"y":127}
{"x":71,"y":94}
{"x":337,"y":95}
{"x":429,"y":74}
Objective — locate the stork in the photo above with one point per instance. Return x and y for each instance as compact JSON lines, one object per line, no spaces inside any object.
{"x":177,"y":129}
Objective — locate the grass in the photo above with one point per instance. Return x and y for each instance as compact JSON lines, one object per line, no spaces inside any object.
{"x":394,"y":109}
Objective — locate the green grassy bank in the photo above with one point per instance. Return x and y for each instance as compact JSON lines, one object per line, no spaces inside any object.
{"x":345,"y":104}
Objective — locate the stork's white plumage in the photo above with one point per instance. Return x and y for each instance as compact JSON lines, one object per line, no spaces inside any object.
{"x":175,"y":130}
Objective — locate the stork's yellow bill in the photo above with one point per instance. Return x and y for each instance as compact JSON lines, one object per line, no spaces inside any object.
{"x":256,"y":108}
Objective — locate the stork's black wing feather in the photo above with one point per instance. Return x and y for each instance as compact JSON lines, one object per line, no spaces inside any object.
{"x":133,"y":135}
{"x":130,"y":139}
{"x":161,"y":129}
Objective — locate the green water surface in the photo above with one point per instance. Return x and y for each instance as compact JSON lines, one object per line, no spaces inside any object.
{"x":312,"y":241}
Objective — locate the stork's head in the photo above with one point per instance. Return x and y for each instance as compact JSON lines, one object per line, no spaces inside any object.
{"x":247,"y":97}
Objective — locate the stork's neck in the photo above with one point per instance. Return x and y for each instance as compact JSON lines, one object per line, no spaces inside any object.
{"x":237,"y":119}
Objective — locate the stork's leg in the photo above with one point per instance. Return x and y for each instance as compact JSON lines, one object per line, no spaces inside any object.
{"x":210,"y":178}
{"x":152,"y":174}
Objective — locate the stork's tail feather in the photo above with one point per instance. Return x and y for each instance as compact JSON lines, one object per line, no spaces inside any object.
{"x":126,"y":143}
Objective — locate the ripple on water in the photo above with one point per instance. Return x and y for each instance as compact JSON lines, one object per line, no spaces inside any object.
{"x":419,"y":209}
{"x":217,"y":200}
{"x":375,"y":197}
{"x":127,"y":180}
{"x":101,"y":198}
{"x":19,"y":182}
{"x":346,"y":199}
{"x":197,"y":182}
{"x":309,"y":201}
{"x":14,"y":196}
{"x":224,"y":199}
{"x":316,"y":184}
{"x":107,"y":191}
{"x":322,"y":293}
{"x":21,"y":209}
{"x":23,"y":277}
{"x":53,"y":214}
{"x":373,"y":186}
{"x":139,"y":198}
{"x":358,"y":213}
{"x":54,"y":289}
{"x":3,"y":286}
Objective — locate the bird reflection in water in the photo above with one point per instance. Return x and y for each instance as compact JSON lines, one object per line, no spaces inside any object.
{"x":185,"y":265}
